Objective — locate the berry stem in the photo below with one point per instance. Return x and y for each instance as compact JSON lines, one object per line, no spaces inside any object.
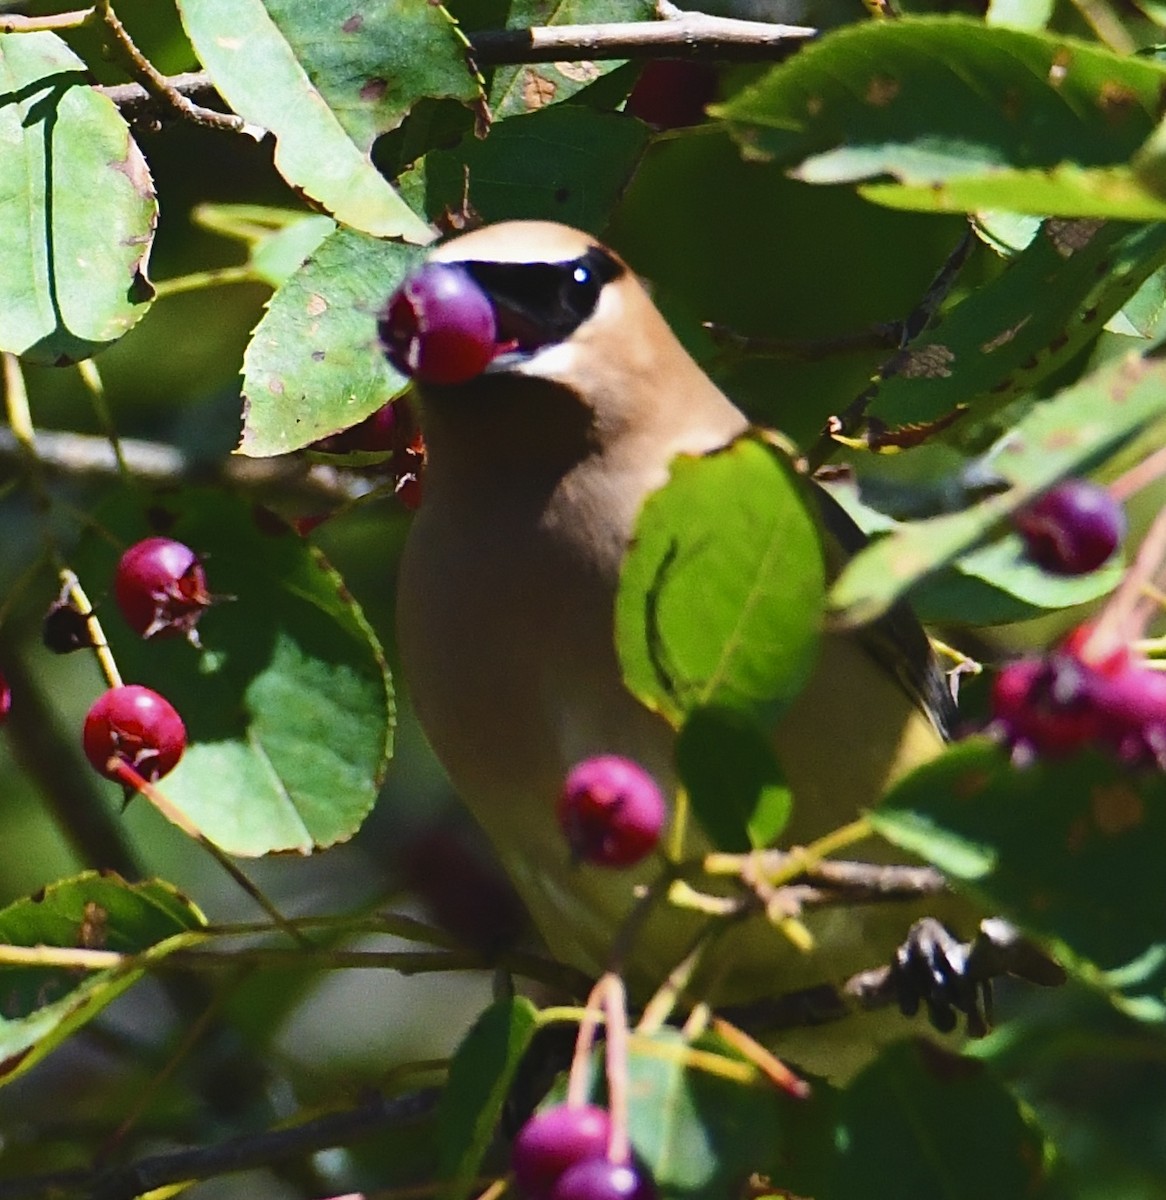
{"x":1148,"y":471}
{"x":1136,"y":599}
{"x":768,"y":1064}
{"x":91,"y":378}
{"x":578,"y":1078}
{"x":616,"y":1051}
{"x":72,"y":591}
{"x":131,"y":779}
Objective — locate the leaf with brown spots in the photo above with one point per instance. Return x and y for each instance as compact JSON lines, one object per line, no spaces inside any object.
{"x":1069,"y":850}
{"x":1060,"y":437}
{"x":962,"y":116}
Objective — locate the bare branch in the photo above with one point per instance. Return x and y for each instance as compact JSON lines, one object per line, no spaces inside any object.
{"x":683,"y":35}
{"x":373,"y":1115}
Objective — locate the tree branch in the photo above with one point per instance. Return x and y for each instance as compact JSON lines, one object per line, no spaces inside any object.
{"x":373,"y":1115}
{"x":678,"y":35}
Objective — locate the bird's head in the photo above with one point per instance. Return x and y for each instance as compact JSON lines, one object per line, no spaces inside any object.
{"x":534,"y":348}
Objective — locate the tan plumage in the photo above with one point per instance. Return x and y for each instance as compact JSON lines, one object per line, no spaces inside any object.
{"x":537,"y":470}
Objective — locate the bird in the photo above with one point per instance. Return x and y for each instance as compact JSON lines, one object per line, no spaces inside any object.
{"x":537,"y":467}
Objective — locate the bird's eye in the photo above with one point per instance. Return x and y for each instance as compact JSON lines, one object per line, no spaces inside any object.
{"x":540,"y":303}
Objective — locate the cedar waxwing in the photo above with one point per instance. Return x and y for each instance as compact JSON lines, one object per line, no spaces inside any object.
{"x":537,"y":470}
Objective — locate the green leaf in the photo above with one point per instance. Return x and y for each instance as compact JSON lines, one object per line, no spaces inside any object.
{"x":44,"y":1005}
{"x":371,"y":62}
{"x":700,"y":1135}
{"x":728,"y":768}
{"x":998,"y":583}
{"x":1058,"y":437}
{"x":76,"y":204}
{"x":258,"y":72}
{"x":288,"y":705}
{"x":936,"y":1125}
{"x":720,"y":594}
{"x":522,"y":89}
{"x":963,"y":116}
{"x":991,"y":585}
{"x":278,"y":240}
{"x":1069,"y":850}
{"x":568,"y":164}
{"x":314,"y":366}
{"x":1008,"y":335}
{"x":479,"y":1080}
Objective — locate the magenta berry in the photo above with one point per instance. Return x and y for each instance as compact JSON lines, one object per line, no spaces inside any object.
{"x":598,"y":1179}
{"x":161,"y":588}
{"x":1046,"y":706}
{"x":5,"y":698}
{"x":611,"y":811}
{"x":1073,"y":528}
{"x":135,"y":726}
{"x":555,"y":1139}
{"x":439,"y":326}
{"x":1131,"y":707}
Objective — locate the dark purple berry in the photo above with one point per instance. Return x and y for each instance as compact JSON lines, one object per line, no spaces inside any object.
{"x":611,"y":811}
{"x":598,"y":1179}
{"x":439,"y":326}
{"x":671,"y":93}
{"x":1073,"y":528}
{"x":135,"y":727}
{"x":64,"y":629}
{"x":377,"y":432}
{"x":161,"y":588}
{"x":555,"y":1139}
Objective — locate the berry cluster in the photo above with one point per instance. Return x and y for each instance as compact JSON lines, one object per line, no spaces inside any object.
{"x":561,"y":1154}
{"x":611,"y":811}
{"x":131,"y":733}
{"x":1072,"y":698}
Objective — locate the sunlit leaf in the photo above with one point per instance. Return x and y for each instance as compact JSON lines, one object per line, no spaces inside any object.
{"x":76,"y":204}
{"x":314,"y":366}
{"x":259,"y":71}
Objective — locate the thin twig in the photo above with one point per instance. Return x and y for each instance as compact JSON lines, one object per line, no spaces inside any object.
{"x":12,"y":23}
{"x":687,"y":35}
{"x":155,"y":84}
{"x":376,"y":1114}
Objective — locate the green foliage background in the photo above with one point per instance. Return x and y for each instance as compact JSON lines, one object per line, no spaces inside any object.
{"x":782,"y":236}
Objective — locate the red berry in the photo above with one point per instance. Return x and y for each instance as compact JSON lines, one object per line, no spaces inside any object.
{"x":1073,"y":528}
{"x":135,"y":725}
{"x":671,"y":93}
{"x":161,"y":589}
{"x":1047,"y":706}
{"x":439,"y":326}
{"x":598,"y":1179}
{"x":378,"y":431}
{"x":555,"y":1139}
{"x":611,"y":811}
